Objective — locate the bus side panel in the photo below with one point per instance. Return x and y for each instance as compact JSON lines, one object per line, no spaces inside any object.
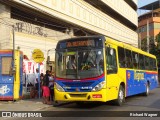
{"x":112,"y":87}
{"x":139,"y":82}
{"x":135,"y":82}
{"x":130,"y":82}
{"x":152,"y":78}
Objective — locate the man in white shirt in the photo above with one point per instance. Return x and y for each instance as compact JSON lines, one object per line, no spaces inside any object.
{"x":36,"y":80}
{"x":51,"y":85}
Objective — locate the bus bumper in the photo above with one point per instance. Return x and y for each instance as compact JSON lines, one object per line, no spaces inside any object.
{"x":80,"y":96}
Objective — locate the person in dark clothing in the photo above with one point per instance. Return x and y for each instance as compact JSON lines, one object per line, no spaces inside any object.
{"x":45,"y":88}
{"x":46,"y":77}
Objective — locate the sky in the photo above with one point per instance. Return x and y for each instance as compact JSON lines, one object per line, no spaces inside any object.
{"x":142,"y":3}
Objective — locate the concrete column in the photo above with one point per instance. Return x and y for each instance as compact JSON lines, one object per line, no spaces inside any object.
{"x":5,"y":30}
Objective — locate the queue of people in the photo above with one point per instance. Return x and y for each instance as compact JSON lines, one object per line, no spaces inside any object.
{"x":46,"y":85}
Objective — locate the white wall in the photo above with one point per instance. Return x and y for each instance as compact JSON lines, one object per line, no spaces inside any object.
{"x":83,"y":14}
{"x":124,"y":9}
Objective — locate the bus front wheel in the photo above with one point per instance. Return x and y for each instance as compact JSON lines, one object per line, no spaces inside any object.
{"x":121,"y":96}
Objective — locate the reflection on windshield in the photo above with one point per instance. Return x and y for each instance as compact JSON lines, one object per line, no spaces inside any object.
{"x":79,"y":64}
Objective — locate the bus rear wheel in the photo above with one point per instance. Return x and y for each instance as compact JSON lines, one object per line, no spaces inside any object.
{"x":146,"y":93}
{"x":121,"y":96}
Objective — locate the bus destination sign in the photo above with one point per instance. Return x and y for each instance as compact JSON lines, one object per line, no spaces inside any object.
{"x":80,"y":43}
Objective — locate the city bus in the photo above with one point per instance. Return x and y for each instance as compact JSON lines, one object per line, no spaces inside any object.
{"x":10,"y":77}
{"x":106,"y":69}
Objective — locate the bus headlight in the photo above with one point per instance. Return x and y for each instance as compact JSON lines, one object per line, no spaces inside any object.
{"x":99,"y":86}
{"x":58,"y":87}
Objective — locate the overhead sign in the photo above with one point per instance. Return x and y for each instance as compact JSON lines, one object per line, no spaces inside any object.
{"x":38,"y":56}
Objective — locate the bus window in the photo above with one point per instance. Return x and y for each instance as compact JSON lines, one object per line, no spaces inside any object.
{"x":154,"y":65}
{"x":111,"y":60}
{"x":128,"y":59}
{"x":80,"y":64}
{"x":71,"y":62}
{"x":121,"y":57}
{"x":6,"y":65}
{"x":141,"y":62}
{"x":151,"y":67}
{"x":135,"y":60}
{"x":146,"y":63}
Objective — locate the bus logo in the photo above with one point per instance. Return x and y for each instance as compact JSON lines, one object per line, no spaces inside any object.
{"x":77,"y":89}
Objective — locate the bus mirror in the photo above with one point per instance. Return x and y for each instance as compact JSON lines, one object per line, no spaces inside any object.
{"x":48,"y":59}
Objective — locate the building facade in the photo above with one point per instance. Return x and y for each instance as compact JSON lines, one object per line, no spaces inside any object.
{"x":149,"y":23}
{"x":41,"y":23}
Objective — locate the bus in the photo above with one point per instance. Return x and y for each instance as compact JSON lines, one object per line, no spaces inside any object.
{"x":106,"y":69}
{"x":10,"y":78}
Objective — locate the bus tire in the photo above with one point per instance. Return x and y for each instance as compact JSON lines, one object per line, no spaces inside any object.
{"x":146,"y":93}
{"x":121,"y":96}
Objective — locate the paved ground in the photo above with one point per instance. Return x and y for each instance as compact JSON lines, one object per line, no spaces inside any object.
{"x":23,"y":105}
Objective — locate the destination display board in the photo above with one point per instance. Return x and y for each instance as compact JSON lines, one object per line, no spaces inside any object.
{"x":74,"y":43}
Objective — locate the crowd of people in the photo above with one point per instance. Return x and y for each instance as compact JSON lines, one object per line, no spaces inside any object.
{"x":46,"y":86}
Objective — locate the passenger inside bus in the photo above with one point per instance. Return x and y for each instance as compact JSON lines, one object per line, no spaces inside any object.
{"x":71,"y":64}
{"x":122,"y":61}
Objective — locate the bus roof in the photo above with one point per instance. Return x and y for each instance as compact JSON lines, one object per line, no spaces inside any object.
{"x":113,"y":41}
{"x":81,"y":37}
{"x":127,"y":46}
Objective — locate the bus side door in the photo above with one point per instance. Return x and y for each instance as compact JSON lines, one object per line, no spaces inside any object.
{"x":111,"y":71}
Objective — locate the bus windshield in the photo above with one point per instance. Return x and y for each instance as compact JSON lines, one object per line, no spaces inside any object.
{"x":79,"y":64}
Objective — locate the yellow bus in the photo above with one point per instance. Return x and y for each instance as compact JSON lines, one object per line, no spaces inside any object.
{"x":104,"y":69}
{"x":11,"y":85}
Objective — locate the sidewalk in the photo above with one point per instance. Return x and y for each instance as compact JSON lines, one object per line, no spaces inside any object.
{"x":23,"y":105}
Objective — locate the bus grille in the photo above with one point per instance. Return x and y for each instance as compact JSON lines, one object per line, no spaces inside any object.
{"x":78,"y":95}
{"x":77,"y":84}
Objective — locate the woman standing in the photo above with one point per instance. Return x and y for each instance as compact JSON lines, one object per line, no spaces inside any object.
{"x":45,"y":89}
{"x":51,"y":85}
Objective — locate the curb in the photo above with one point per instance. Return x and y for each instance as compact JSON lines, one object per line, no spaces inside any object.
{"x":53,"y":106}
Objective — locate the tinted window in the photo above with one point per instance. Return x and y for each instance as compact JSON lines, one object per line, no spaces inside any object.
{"x":146,"y":63}
{"x":154,"y":65}
{"x":141,"y":62}
{"x":151,"y":67}
{"x":135,"y":60}
{"x":111,"y":60}
{"x":121,"y":57}
{"x":128,"y":59}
